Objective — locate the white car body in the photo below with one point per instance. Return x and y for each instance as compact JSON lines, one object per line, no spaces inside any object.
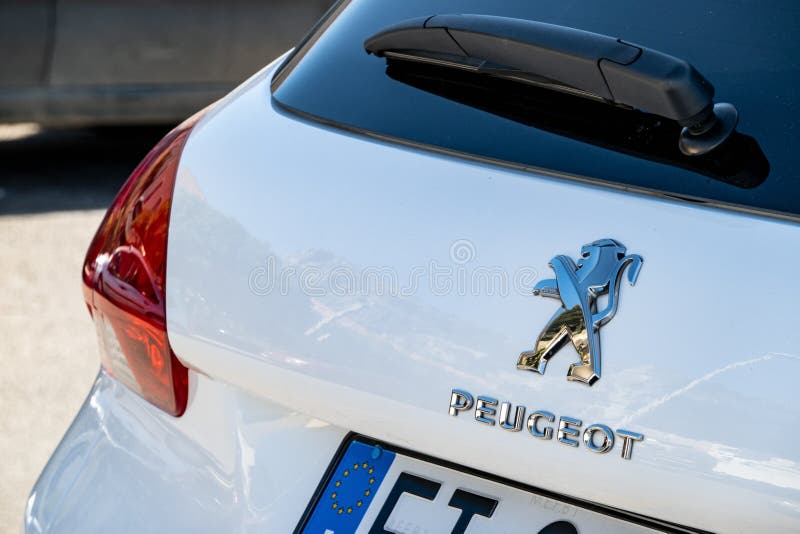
{"x":701,"y":358}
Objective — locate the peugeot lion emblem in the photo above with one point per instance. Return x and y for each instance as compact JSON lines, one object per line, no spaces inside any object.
{"x":598,"y":272}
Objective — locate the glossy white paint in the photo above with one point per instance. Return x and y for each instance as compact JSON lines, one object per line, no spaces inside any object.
{"x":232,"y":463}
{"x":702,"y":356}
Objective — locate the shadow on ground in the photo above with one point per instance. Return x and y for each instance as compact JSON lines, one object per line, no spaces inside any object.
{"x":77,"y":169}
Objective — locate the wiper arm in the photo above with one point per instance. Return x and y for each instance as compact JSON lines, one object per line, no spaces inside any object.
{"x":568,"y":60}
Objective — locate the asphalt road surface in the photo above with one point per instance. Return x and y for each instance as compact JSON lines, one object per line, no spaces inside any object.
{"x":54,"y":188}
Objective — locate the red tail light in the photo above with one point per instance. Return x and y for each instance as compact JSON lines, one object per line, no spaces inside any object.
{"x":124,"y":279}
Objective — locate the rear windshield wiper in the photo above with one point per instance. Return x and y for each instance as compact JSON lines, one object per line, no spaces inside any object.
{"x":568,"y":60}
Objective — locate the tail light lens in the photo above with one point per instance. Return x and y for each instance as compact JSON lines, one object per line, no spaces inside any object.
{"x":124,"y":279}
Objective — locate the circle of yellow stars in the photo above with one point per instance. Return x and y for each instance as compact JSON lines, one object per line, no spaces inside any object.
{"x":342,"y":509}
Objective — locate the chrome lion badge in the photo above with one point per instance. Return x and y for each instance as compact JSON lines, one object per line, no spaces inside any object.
{"x":598,"y":272}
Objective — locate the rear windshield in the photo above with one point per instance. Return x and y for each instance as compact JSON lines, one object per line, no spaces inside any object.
{"x":749,"y":50}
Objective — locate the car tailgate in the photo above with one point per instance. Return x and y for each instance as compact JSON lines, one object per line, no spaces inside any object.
{"x":361,"y":282}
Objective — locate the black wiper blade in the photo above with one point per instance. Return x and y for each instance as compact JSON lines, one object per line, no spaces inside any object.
{"x":570,"y":60}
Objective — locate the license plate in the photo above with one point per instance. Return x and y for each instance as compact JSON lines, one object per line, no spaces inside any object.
{"x":374,"y":488}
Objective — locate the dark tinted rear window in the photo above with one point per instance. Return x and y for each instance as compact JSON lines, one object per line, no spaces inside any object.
{"x":749,"y":50}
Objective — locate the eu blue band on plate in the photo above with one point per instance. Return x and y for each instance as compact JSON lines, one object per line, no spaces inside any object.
{"x":345,"y":500}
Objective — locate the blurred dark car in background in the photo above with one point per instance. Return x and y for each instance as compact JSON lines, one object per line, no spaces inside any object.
{"x":96,"y":62}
